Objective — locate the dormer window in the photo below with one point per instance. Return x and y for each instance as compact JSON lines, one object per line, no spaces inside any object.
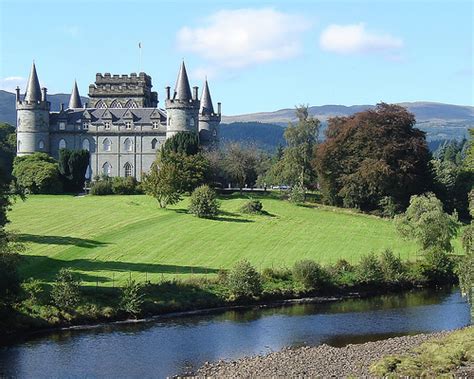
{"x":155,"y":125}
{"x":106,"y":125}
{"x":62,"y":125}
{"x":128,"y":125}
{"x":85,"y":125}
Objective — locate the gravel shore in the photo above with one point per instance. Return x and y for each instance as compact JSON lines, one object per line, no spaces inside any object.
{"x":323,"y":360}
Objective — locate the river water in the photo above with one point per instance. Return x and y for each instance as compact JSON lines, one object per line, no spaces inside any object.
{"x":172,"y":346}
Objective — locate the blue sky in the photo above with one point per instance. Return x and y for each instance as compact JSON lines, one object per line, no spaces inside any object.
{"x":258,"y":56}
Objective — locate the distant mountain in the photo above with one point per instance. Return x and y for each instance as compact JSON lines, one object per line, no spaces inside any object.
{"x":439,"y":121}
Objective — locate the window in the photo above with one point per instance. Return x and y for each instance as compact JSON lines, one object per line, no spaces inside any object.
{"x":169,"y":120}
{"x":128,"y":169}
{"x":154,"y":141}
{"x":130,"y":104}
{"x":106,"y":169}
{"x":128,"y":125}
{"x":191,"y":122}
{"x":106,"y":125}
{"x":128,"y":144}
{"x":100,"y":104}
{"x":107,"y":145}
{"x":62,"y":125}
{"x":116,"y":104}
{"x":86,"y":145}
{"x":62,"y":144}
{"x":155,"y":125}
{"x":41,"y":145}
{"x":85,"y":125}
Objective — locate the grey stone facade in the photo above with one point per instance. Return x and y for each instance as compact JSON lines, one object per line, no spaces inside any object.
{"x":125,"y":127}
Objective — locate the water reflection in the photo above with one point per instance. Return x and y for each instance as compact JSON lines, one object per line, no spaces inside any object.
{"x":175,"y":345}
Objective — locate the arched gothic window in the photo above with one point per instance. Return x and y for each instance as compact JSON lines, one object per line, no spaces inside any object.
{"x":128,"y":169}
{"x":192,"y":121}
{"x":107,"y":145}
{"x":86,"y":145}
{"x":131,"y":104}
{"x":41,"y":145}
{"x":62,"y":144}
{"x":107,"y":169}
{"x":154,"y":141}
{"x":116,"y":104}
{"x":128,"y":144}
{"x":100,"y":104}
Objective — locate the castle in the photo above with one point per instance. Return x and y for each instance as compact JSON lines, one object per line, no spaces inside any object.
{"x":123,"y":129}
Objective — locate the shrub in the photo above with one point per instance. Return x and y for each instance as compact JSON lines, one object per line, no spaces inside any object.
{"x":392,"y":267}
{"x":37,"y":173}
{"x":297,"y":194}
{"x":131,"y":300}
{"x":310,"y":274}
{"x":276,"y":273}
{"x":343,"y":273}
{"x":369,"y":270}
{"x":243,"y":281}
{"x":101,"y":187}
{"x":388,"y":207}
{"x":252,"y":207}
{"x":124,"y":186}
{"x":33,"y":290}
{"x":66,"y":290}
{"x":203,"y":202}
{"x":438,"y":267}
{"x":9,"y":277}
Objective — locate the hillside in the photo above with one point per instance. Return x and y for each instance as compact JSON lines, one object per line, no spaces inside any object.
{"x":109,"y":237}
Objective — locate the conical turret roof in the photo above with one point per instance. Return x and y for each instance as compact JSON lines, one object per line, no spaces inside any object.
{"x":182,"y":90}
{"x":33,"y":90}
{"x":206,"y":101}
{"x":75,"y":100}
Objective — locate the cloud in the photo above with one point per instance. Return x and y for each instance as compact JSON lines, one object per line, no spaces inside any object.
{"x":11,"y":82}
{"x":244,"y":37}
{"x":354,"y":38}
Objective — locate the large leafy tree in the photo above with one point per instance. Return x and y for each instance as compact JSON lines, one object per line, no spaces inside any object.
{"x":241,"y":164}
{"x":373,"y":155}
{"x":294,"y":165}
{"x":37,"y":173}
{"x":72,"y":167}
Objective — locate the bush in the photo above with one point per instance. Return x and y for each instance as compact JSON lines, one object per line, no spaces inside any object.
{"x":343,"y":273}
{"x":252,"y":207}
{"x":131,"y":300}
{"x":369,"y":270}
{"x":66,"y":290}
{"x":33,"y":290}
{"x":125,"y":186}
{"x":438,"y":267}
{"x":101,"y":187}
{"x":203,"y":202}
{"x":243,"y":281}
{"x":37,"y":173}
{"x":9,"y":278}
{"x":297,"y":194}
{"x":392,"y":267}
{"x":271,"y":273}
{"x":310,"y":274}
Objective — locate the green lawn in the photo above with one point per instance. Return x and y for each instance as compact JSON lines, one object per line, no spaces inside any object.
{"x":109,"y":238}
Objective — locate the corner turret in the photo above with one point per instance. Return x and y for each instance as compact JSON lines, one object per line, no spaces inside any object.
{"x":183,"y":108}
{"x":32,"y":118}
{"x":75,"y":99}
{"x":208,"y":120}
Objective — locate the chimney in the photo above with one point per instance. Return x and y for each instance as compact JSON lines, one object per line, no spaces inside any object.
{"x":43,"y":94}
{"x":219,"y":108}
{"x":61,"y":107}
{"x":168,"y":88}
{"x":17,"y":90}
{"x":195,"y":93}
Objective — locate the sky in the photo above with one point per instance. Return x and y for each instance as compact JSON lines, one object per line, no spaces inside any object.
{"x":258,"y":56}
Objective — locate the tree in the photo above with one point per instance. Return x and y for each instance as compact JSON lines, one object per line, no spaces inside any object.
{"x":203,"y":202}
{"x":131,"y":299}
{"x":37,"y":173}
{"x":371,"y":155}
{"x":7,"y":150}
{"x":9,"y":275}
{"x":294,"y":164}
{"x":72,"y":167}
{"x":241,"y":164}
{"x":310,"y":274}
{"x":244,"y":281}
{"x":66,"y":290}
{"x":182,"y":143}
{"x":163,"y":183}
{"x":425,"y":222}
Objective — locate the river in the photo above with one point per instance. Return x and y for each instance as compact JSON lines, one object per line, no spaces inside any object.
{"x":176,"y":345}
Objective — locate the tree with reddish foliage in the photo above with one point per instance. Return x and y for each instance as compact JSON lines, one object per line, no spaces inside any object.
{"x":372,"y":156}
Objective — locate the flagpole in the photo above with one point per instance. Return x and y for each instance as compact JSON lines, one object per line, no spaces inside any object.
{"x":140,"y":57}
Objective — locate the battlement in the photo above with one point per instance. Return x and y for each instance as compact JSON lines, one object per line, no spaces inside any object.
{"x":124,"y":79}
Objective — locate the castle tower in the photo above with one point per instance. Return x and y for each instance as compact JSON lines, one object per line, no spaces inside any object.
{"x":208,"y":120}
{"x":75,"y":99}
{"x":32,"y":117}
{"x":183,"y":108}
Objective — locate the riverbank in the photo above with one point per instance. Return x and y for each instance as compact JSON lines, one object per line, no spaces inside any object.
{"x":326,"y":361}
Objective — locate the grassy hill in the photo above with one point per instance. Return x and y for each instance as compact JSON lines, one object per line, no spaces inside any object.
{"x":107,"y":238}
